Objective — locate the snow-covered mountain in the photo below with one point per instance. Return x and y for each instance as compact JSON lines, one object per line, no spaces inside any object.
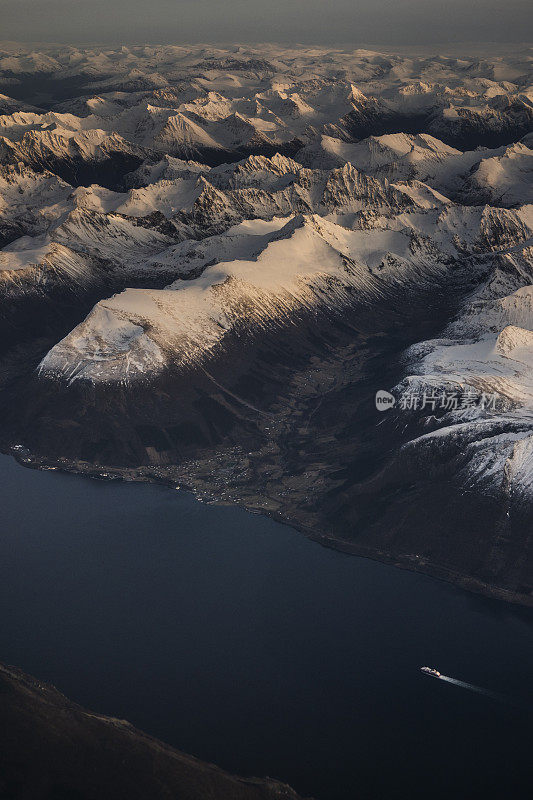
{"x":309,"y":263}
{"x":213,"y":258}
{"x":128,"y":228}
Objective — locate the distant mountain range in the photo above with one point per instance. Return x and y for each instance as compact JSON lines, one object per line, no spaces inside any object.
{"x":212,"y":259}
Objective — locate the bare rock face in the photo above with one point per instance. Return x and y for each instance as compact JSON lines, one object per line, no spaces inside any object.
{"x":54,"y":749}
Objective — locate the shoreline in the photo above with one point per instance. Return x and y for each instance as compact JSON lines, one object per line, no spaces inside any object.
{"x":406,"y":562}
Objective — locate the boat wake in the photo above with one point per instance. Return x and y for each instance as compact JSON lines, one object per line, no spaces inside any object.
{"x":433,"y":673}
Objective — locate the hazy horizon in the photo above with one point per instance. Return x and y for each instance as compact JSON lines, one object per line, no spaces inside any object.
{"x":378,"y":22}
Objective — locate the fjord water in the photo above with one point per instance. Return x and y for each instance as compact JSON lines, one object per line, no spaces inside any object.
{"x":236,"y":639}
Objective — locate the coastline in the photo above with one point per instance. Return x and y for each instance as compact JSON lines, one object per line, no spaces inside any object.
{"x":406,"y":561}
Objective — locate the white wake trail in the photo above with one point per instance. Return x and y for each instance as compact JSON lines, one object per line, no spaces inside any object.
{"x":470,"y":686}
{"x":473,"y":688}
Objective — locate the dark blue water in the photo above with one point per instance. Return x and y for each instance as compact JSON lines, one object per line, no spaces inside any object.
{"x":237,"y":640}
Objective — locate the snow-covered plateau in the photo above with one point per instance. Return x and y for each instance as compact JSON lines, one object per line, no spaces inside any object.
{"x":213,"y":258}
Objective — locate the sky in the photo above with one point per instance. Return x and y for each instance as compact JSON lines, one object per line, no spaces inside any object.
{"x":386,"y":22}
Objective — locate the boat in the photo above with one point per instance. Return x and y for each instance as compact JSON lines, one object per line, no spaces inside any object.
{"x":431,"y":671}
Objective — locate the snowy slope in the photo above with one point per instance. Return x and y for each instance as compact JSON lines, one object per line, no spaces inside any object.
{"x":308,"y":263}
